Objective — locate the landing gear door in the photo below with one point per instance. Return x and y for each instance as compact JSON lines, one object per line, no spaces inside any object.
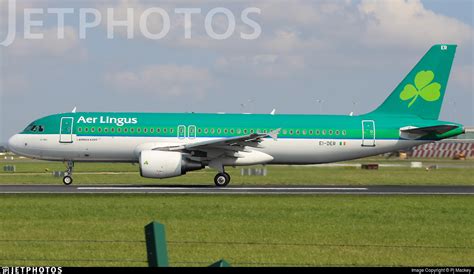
{"x":368,"y":133}
{"x":65,"y":130}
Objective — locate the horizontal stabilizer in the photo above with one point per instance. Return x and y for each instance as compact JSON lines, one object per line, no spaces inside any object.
{"x":428,"y":130}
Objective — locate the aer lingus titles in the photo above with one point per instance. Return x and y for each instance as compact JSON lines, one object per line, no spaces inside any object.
{"x":118,"y":121}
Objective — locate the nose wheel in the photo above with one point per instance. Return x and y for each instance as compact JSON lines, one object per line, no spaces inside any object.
{"x":67,"y":179}
{"x":222,"y":179}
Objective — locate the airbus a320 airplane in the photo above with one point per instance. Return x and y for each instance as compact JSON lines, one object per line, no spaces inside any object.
{"x":170,"y":144}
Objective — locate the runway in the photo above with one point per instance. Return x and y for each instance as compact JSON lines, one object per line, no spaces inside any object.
{"x":242,"y":190}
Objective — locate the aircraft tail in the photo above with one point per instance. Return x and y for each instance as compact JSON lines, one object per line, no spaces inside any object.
{"x":422,"y":91}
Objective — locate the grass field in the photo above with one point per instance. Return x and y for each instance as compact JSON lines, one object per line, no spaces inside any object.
{"x":273,"y":230}
{"x":107,"y":230}
{"x":397,"y":173}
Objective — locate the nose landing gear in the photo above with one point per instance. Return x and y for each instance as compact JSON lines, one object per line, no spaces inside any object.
{"x":67,"y":179}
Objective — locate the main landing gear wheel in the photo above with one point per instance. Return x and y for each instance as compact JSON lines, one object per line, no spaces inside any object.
{"x":222,"y":179}
{"x":67,"y":180}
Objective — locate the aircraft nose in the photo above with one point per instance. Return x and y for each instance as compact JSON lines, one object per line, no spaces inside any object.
{"x":14,"y":143}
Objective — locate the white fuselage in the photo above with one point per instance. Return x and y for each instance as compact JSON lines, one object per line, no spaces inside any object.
{"x":127,"y":149}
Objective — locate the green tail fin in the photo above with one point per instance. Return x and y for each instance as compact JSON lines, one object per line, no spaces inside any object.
{"x":422,"y":91}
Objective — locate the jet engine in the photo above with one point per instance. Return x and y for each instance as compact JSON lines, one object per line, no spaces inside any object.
{"x":165,"y":164}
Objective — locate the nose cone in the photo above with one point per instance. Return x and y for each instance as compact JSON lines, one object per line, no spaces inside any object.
{"x":14,"y":143}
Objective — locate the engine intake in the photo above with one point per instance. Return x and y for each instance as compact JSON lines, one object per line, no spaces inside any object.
{"x":165,"y":164}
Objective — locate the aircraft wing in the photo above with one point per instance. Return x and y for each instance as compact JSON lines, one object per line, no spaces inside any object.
{"x":226,"y":143}
{"x":428,"y":130}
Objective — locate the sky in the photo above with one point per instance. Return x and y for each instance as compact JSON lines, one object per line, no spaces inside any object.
{"x":311,"y":57}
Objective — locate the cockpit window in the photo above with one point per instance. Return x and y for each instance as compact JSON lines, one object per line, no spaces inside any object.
{"x":34,"y":128}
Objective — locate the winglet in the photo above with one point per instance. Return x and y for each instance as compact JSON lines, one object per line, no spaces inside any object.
{"x":274,"y":134}
{"x":273,"y":112}
{"x":74,"y":110}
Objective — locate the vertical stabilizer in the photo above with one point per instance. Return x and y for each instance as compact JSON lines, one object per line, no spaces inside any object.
{"x":422,"y":91}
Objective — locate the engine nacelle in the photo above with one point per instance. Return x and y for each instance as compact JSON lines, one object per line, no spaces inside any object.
{"x":165,"y":164}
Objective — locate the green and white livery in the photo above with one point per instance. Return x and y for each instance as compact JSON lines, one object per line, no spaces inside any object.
{"x":171,"y":144}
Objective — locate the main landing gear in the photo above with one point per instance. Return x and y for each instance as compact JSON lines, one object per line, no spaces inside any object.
{"x":67,"y":179}
{"x":222,"y":179}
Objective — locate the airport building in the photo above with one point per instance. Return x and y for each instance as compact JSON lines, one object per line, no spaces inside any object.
{"x":458,"y":147}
